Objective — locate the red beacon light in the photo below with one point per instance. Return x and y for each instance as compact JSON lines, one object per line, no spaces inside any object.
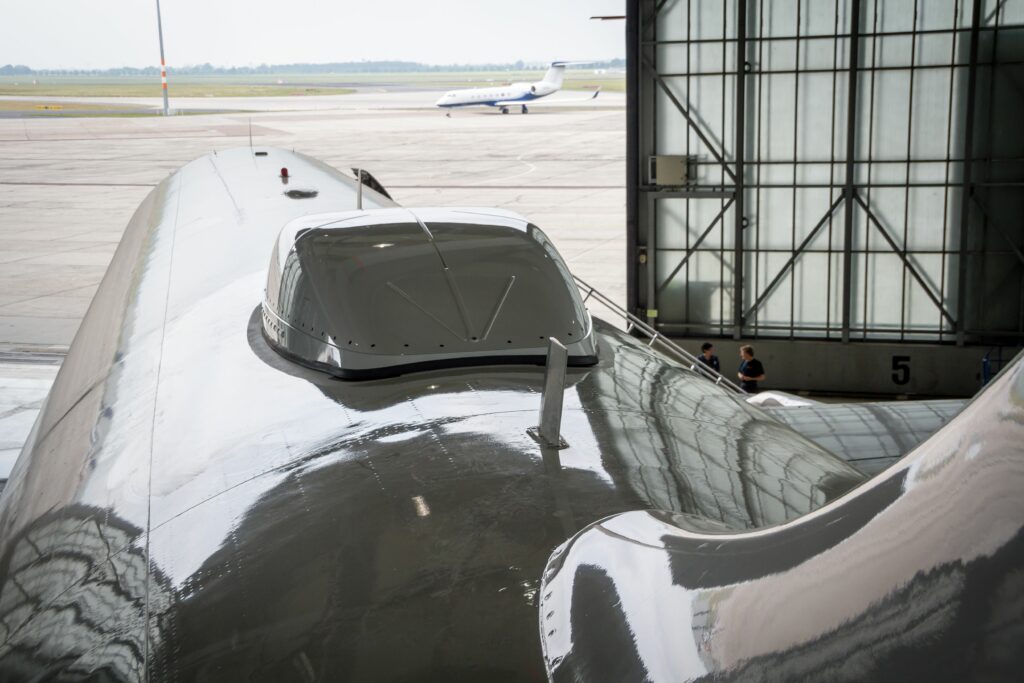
{"x":284,"y":172}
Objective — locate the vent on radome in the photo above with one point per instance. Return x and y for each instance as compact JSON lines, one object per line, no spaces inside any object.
{"x":375,"y":293}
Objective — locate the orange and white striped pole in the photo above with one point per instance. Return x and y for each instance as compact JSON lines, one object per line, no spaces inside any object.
{"x":163,"y":64}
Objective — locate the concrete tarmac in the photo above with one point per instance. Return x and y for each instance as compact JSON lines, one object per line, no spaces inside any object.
{"x":383,"y":97}
{"x":68,"y":187}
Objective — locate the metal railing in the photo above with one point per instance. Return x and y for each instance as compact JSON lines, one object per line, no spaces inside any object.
{"x":670,"y":348}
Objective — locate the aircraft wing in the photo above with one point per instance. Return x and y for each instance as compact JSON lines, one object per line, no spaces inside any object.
{"x":538,"y":102}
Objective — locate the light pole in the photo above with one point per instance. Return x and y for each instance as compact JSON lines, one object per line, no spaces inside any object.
{"x":163,"y":64}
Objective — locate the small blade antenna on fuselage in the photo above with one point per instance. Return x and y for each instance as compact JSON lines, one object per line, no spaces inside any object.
{"x":366,"y":178}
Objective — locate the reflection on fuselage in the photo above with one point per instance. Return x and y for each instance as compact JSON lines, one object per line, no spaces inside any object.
{"x":686,"y":447}
{"x":917,"y":575}
{"x":76,"y":597}
{"x":870,"y":436}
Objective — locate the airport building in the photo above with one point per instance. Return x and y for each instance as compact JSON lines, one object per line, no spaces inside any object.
{"x":838,"y":183}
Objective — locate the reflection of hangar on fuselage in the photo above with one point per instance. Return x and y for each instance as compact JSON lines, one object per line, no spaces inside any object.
{"x":505,"y":96}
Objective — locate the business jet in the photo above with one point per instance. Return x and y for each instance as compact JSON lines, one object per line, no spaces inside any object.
{"x":296,"y":439}
{"x":514,"y":94}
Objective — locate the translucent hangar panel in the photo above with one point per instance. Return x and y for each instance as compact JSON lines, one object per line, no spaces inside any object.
{"x":853,"y":169}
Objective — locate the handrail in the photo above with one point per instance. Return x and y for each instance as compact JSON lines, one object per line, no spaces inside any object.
{"x":634,"y":322}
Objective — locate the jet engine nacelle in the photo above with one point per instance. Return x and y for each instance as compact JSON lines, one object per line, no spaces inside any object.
{"x":540,"y":89}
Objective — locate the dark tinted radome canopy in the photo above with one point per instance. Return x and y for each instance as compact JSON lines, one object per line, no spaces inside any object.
{"x":374,"y":293}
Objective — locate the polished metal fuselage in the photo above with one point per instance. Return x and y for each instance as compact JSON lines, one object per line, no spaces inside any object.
{"x":193,"y":506}
{"x":917,"y":574}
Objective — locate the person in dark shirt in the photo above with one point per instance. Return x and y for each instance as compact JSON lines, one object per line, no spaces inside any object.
{"x":707,"y":357}
{"x":751,"y":371}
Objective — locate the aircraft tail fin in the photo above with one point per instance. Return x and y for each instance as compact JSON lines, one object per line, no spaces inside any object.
{"x":555,"y":74}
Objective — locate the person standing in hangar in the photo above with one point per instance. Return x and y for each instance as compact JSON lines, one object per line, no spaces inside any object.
{"x":751,"y":371}
{"x":707,"y":357}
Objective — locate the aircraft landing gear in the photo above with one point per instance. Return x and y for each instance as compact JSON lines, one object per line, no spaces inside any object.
{"x":504,"y":110}
{"x":448,"y":114}
{"x":525,"y":110}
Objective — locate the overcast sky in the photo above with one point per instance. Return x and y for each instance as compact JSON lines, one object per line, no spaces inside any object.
{"x":78,"y":34}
